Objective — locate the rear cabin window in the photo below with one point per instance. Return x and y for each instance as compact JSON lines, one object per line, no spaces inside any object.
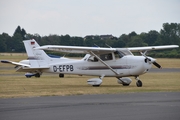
{"x":106,"y":57}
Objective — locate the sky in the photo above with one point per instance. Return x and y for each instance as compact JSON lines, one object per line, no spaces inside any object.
{"x":87,"y":17}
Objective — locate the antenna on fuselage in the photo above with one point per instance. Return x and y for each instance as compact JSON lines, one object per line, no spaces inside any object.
{"x":96,"y":45}
{"x":108,"y":46}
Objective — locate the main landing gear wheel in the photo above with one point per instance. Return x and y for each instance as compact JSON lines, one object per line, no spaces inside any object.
{"x":139,"y":83}
{"x":95,"y":85}
{"x":61,"y":75}
{"x":124,"y":84}
{"x":37,"y":75}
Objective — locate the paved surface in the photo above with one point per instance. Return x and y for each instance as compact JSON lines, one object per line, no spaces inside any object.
{"x":130,"y":106}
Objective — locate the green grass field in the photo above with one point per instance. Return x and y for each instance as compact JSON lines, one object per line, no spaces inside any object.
{"x":52,"y":85}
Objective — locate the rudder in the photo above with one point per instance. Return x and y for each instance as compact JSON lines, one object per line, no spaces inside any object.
{"x":36,"y":57}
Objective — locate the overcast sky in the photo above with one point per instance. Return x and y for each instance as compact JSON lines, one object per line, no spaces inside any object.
{"x":87,"y":17}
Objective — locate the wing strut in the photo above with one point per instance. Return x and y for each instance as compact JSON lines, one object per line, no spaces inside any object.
{"x":104,"y":63}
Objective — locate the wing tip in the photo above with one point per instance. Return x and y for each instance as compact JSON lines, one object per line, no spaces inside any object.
{"x":5,"y":61}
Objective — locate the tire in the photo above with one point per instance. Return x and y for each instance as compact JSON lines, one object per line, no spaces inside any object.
{"x":61,"y":75}
{"x":139,"y":83}
{"x":37,"y":75}
{"x":125,"y":84}
{"x":96,"y":85}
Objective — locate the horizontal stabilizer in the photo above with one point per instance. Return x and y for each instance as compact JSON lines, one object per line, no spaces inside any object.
{"x":33,"y":64}
{"x":15,"y":63}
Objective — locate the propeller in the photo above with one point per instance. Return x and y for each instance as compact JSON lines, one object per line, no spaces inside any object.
{"x":151,"y":60}
{"x":157,"y":65}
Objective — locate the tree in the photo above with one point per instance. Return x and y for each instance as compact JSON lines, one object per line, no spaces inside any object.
{"x":23,"y":33}
{"x":170,"y":33}
{"x":151,"y":37}
{"x":77,"y":41}
{"x":125,"y":38}
{"x":132,"y":34}
{"x":8,"y":41}
{"x":137,"y":42}
{"x":18,"y":45}
{"x":65,"y":40}
{"x":119,"y":44}
{"x":19,"y":31}
{"x":3,"y":47}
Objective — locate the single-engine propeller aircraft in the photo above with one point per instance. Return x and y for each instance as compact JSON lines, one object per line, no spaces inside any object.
{"x":102,"y":62}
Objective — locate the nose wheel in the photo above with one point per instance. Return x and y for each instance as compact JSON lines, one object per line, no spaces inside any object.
{"x":138,"y":83}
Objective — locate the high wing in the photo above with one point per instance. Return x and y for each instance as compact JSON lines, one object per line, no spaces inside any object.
{"x":148,"y":48}
{"x":77,"y":49}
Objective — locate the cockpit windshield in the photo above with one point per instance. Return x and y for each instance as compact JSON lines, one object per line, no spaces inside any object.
{"x":119,"y":54}
{"x":92,"y":59}
{"x":122,"y":52}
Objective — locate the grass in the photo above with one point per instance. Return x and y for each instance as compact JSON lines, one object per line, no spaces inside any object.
{"x":19,"y":86}
{"x":169,"y":62}
{"x":52,"y":85}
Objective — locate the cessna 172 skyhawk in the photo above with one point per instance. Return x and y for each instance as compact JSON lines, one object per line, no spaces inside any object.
{"x":102,"y":62}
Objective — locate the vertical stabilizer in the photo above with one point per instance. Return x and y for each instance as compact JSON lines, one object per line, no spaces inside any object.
{"x":38,"y":58}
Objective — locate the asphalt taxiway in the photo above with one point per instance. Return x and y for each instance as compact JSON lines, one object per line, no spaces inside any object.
{"x":129,"y":106}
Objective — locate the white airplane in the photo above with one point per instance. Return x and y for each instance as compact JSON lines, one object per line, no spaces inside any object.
{"x":102,"y":62}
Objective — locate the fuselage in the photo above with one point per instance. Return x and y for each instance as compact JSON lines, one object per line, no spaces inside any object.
{"x":125,"y":66}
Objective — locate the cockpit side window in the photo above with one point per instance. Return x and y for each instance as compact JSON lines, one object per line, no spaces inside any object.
{"x":119,"y":54}
{"x":92,"y":59}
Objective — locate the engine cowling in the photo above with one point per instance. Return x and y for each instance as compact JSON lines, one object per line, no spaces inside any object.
{"x":124,"y":81}
{"x":94,"y":81}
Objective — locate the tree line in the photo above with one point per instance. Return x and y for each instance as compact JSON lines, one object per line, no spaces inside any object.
{"x":168,"y":35}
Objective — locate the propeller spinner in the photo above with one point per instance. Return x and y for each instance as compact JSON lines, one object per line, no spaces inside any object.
{"x":151,"y":60}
